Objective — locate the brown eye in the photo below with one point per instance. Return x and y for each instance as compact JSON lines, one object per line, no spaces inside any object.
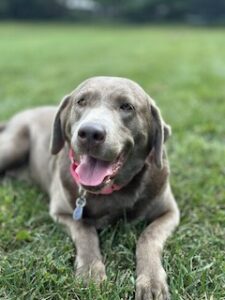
{"x":126,"y":107}
{"x":82,"y":101}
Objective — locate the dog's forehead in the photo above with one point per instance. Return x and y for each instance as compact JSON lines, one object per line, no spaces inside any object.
{"x":111,"y":86}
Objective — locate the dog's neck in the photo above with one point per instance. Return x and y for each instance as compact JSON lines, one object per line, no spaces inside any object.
{"x":106,"y":190}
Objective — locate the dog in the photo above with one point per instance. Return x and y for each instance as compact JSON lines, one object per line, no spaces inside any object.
{"x":107,"y":157}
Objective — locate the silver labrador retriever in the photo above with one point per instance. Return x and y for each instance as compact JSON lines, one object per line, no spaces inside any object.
{"x":107,"y":157}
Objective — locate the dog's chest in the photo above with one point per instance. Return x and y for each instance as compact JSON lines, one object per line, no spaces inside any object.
{"x":104,"y":210}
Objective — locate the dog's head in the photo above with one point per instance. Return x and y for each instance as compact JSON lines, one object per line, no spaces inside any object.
{"x":112,"y":125}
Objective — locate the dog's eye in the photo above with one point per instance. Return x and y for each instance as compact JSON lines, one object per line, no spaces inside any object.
{"x":126,"y":107}
{"x":81,"y":102}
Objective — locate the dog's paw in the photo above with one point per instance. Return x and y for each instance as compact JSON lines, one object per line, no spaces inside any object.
{"x":148,"y":288}
{"x":91,"y":272}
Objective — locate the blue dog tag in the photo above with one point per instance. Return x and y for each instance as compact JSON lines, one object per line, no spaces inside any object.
{"x":78,"y":211}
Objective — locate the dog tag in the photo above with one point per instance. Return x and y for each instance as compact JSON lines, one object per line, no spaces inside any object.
{"x":78,"y":211}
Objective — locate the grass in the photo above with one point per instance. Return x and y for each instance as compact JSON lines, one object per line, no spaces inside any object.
{"x":184,"y":70}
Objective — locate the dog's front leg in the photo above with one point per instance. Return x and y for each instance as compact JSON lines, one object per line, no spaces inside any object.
{"x":88,"y":262}
{"x":151,"y":278}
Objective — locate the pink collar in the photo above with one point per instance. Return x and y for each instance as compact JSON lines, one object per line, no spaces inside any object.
{"x":105,"y":191}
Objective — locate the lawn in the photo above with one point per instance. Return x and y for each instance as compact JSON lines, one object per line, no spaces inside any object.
{"x":184,"y":70}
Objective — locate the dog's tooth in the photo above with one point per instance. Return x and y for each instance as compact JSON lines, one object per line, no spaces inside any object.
{"x":108,"y":180}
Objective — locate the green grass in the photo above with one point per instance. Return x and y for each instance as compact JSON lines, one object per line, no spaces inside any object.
{"x":184,"y":70}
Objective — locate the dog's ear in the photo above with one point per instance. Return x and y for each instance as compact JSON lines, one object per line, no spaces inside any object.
{"x":160,"y":133}
{"x":58,"y":129}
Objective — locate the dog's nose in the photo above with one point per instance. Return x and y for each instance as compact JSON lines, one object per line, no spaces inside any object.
{"x":92,"y":134}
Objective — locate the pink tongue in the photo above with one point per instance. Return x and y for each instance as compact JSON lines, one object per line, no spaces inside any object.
{"x":91,"y":171}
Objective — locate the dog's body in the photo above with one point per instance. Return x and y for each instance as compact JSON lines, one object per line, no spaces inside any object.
{"x":116,"y":134}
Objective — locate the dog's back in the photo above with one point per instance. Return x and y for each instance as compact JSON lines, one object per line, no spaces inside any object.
{"x":25,"y":142}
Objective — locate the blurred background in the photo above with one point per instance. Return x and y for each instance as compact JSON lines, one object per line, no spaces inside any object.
{"x":138,"y":11}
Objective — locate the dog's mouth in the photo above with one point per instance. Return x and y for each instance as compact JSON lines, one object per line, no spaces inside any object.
{"x":95,"y":173}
